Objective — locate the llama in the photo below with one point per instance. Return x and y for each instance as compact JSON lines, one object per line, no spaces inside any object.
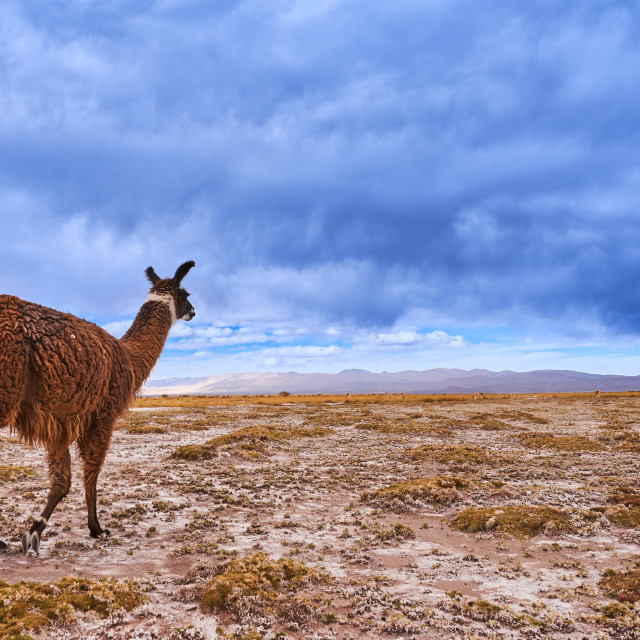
{"x":66,"y":380}
{"x":597,"y":395}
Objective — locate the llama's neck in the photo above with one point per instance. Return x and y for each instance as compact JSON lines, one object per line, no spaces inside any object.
{"x":146,"y":336}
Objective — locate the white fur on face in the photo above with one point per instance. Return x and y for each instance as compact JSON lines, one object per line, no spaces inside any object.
{"x":167,"y":298}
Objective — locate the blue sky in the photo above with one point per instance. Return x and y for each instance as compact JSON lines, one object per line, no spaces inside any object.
{"x":391,"y":185}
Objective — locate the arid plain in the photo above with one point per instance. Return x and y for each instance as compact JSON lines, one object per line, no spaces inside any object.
{"x":335,"y":517}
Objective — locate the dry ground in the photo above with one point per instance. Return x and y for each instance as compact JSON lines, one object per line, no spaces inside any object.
{"x":334,"y":517}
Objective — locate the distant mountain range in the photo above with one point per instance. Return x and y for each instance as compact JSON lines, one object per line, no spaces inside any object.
{"x":362,"y":381}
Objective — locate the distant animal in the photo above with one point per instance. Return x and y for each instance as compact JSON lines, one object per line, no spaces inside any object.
{"x":478,"y":395}
{"x":597,"y":395}
{"x":66,"y":380}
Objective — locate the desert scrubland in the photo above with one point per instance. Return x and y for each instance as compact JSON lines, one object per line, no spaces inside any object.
{"x":334,"y":517}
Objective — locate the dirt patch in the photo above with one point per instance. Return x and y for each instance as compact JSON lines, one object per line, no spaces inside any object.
{"x":330,"y":517}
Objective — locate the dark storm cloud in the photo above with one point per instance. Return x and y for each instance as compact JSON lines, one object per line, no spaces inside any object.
{"x":468,"y":162}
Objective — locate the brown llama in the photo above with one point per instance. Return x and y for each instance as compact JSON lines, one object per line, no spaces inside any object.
{"x":66,"y":380}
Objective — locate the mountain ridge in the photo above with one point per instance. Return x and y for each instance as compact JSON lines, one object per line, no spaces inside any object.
{"x":429,"y":381}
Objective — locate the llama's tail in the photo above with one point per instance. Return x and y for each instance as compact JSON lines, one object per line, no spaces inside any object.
{"x":14,"y":358}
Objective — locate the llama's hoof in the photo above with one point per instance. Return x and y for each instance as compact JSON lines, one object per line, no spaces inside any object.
{"x":3,"y":546}
{"x":31,"y":541}
{"x":103,"y":533}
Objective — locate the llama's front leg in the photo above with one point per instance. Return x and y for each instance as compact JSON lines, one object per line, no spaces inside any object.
{"x":60,"y":472}
{"x":90,"y":488}
{"x":93,"y":450}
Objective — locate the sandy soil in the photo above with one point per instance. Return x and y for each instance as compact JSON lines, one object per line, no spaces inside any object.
{"x":302,"y":498}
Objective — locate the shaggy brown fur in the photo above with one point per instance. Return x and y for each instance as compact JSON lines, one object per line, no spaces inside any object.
{"x":65,"y":380}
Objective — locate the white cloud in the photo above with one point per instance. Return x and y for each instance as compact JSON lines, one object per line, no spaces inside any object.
{"x":375,"y":169}
{"x":117,"y":328}
{"x":418,"y":339}
{"x":301,"y":351}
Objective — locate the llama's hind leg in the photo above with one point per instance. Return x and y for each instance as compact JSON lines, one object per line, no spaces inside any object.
{"x":93,"y":449}
{"x":60,"y":472}
{"x":13,"y":365}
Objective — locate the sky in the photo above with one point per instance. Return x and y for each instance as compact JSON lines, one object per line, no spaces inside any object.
{"x":378,"y":185}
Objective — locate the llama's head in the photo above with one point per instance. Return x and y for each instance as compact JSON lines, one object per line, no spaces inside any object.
{"x":169,"y":290}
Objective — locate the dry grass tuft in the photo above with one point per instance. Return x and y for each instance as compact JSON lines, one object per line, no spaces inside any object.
{"x":484,"y":421}
{"x":622,"y":585}
{"x":136,"y":422}
{"x":265,"y":434}
{"x":440,"y":490}
{"x":455,"y":454}
{"x":193,"y":452}
{"x":29,"y":607}
{"x":624,"y":517}
{"x":524,"y":416}
{"x":397,"y":426}
{"x":395,"y":533}
{"x":353,"y":400}
{"x":490,"y":614}
{"x":546,"y":440}
{"x":626,"y":496}
{"x":15,"y":472}
{"x":631,"y":445}
{"x":146,"y":428}
{"x":523,"y":521}
{"x":257,"y":586}
{"x":250,"y":441}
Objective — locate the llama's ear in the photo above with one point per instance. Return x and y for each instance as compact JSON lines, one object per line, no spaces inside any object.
{"x":151,"y":275}
{"x":182,"y":271}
